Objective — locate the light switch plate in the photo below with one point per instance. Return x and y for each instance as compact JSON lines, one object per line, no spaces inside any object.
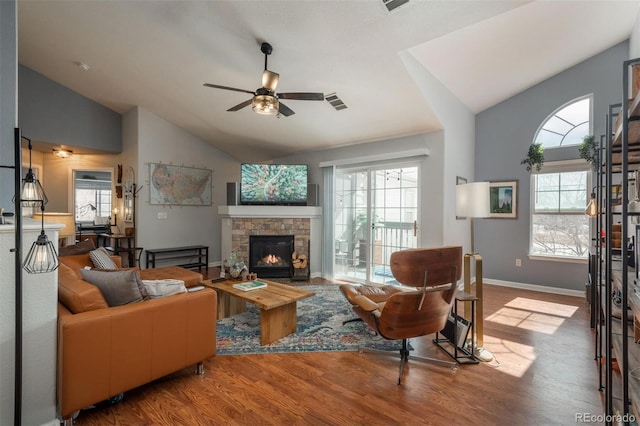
{"x":162,"y":215}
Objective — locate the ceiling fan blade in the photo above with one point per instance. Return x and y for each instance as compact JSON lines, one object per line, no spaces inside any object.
{"x":215,"y":86}
{"x":240,"y":106}
{"x":270,"y":80}
{"x":302,"y":96}
{"x":285,"y":110}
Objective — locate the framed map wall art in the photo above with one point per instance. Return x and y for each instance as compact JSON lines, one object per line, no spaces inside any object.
{"x":179,"y":185}
{"x":503,"y":199}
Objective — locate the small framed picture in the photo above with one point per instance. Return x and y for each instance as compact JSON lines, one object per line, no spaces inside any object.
{"x":503,"y":199}
{"x":460,"y":181}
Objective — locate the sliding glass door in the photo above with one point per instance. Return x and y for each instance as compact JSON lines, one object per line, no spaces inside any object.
{"x":376,"y":214}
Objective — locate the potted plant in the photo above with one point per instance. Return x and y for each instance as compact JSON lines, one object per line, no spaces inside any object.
{"x":588,"y":150}
{"x":534,"y":158}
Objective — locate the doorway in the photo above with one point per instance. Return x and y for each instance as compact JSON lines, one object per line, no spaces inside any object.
{"x":376,"y":213}
{"x":92,"y":199}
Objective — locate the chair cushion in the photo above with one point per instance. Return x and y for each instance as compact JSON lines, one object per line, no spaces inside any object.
{"x":101,"y":259}
{"x":117,"y":287}
{"x":375,"y":294}
{"x":76,"y":294}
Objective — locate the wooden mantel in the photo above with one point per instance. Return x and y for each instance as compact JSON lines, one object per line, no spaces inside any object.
{"x":270,"y":211}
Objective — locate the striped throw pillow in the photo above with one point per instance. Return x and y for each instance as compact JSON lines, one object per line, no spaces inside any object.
{"x":101,"y":259}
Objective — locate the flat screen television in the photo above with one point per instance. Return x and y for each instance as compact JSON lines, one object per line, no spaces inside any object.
{"x":275,"y":184}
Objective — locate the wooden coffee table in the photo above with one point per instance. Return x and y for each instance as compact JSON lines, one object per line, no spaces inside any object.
{"x":277,"y":303}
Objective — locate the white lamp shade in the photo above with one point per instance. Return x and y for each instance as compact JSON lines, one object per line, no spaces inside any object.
{"x":65,"y":219}
{"x":472,"y":199}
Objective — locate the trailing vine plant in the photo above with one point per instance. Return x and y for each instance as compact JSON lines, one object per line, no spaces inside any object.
{"x":534,"y":158}
{"x":588,"y":150}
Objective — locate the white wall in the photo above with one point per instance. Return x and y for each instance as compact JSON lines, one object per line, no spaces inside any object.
{"x":431,"y":196}
{"x":159,"y":141}
{"x":634,"y":39}
{"x":458,"y":123}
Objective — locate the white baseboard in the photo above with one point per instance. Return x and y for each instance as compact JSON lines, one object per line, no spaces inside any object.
{"x":535,"y":287}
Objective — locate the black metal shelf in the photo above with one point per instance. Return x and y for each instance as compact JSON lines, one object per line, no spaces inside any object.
{"x":620,"y":148}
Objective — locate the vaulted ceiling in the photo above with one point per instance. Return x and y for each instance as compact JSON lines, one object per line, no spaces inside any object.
{"x":158,"y":54}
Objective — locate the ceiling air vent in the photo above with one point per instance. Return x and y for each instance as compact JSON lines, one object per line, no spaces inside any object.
{"x":392,"y":5}
{"x":335,"y":101}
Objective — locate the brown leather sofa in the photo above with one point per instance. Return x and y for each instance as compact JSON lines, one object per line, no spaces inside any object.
{"x":104,"y":351}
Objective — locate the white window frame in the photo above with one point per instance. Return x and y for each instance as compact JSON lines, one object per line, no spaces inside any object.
{"x":557,"y":167}
{"x":91,"y":170}
{"x":556,"y":111}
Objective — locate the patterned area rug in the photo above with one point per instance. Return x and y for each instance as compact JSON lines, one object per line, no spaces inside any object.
{"x":320,"y":328}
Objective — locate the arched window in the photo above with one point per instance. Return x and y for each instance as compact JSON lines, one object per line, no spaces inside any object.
{"x":567,"y":125}
{"x":559,"y":227}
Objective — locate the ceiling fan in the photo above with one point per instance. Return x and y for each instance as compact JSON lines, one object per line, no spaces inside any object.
{"x":265,"y":100}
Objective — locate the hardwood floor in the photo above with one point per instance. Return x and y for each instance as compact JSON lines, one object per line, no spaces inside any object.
{"x":544,"y":375}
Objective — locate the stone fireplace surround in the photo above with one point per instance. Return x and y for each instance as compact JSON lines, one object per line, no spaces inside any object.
{"x":304,"y":222}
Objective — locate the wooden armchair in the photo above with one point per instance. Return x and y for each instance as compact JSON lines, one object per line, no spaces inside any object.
{"x":400,"y":312}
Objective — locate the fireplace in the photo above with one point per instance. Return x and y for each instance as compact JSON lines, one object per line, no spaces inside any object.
{"x":270,"y":255}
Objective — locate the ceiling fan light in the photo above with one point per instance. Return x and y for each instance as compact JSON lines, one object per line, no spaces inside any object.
{"x":62,"y":152}
{"x":270,"y":80}
{"x":265,"y":104}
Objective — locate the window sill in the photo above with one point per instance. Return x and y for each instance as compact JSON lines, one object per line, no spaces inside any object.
{"x":563,"y":259}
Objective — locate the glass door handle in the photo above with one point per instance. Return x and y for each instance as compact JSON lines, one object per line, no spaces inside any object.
{"x":415,"y":228}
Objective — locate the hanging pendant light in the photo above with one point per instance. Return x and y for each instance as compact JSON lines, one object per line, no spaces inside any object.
{"x":592,"y":207}
{"x":32,"y":193}
{"x":42,"y":256}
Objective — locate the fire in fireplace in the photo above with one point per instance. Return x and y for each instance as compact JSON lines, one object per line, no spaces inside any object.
{"x":270,"y":255}
{"x":271,"y":260}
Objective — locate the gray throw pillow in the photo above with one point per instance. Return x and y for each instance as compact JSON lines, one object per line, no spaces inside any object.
{"x":117,"y":287}
{"x":141,"y":285}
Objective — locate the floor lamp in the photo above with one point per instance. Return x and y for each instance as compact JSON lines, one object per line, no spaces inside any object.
{"x":42,"y":256}
{"x":472,"y":201}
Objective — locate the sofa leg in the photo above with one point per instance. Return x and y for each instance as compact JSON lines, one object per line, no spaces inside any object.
{"x":200,"y":368}
{"x":70,"y":420}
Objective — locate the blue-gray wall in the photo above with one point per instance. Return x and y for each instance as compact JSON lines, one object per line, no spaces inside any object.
{"x":8,"y":46}
{"x":503,"y":135}
{"x":50,"y":112}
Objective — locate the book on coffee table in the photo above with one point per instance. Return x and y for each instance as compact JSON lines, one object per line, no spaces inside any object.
{"x":250,"y":285}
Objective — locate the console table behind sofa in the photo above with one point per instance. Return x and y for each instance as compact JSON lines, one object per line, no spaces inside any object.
{"x":198,"y":256}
